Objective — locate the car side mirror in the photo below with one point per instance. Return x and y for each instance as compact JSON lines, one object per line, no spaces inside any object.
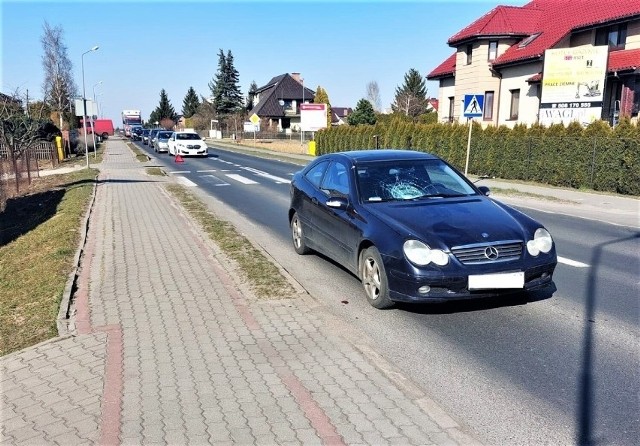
{"x":485,"y":190}
{"x":337,"y":202}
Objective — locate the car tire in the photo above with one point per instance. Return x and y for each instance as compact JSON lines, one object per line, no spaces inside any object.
{"x":297,"y":236}
{"x":374,"y":279}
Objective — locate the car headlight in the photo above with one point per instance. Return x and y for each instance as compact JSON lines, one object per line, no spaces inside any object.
{"x":420,"y":254}
{"x":542,"y":242}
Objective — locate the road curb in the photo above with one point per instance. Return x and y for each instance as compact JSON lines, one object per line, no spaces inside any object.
{"x":64,"y":321}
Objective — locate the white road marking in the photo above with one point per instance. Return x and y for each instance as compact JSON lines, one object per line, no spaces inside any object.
{"x":214,"y":180}
{"x":572,"y":262}
{"x":186,"y":182}
{"x":241,"y":179}
{"x":260,"y":173}
{"x":179,"y":171}
{"x":205,"y":171}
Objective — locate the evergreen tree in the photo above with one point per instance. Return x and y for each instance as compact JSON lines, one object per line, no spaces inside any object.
{"x":411,"y":97}
{"x":363,"y":114}
{"x":190,"y":104}
{"x":323,"y":98}
{"x":164,"y":110}
{"x":227,"y":97}
{"x":251,"y":96}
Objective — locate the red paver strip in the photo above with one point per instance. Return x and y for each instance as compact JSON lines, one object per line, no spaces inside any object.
{"x":113,"y":381}
{"x":113,"y":386}
{"x":312,"y":411}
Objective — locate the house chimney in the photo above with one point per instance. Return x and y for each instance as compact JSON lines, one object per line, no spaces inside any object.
{"x":296,"y":76}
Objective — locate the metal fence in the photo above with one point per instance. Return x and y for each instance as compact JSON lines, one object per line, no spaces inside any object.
{"x":17,"y":172}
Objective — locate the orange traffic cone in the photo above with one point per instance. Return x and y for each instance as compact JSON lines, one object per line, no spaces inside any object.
{"x":179,"y":159}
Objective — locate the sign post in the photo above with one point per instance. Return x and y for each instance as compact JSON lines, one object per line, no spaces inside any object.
{"x":255,"y":120}
{"x":473,"y":108}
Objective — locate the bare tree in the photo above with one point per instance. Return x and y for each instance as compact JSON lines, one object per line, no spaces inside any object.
{"x":409,"y":104}
{"x":373,"y":95}
{"x":19,"y":131}
{"x":58,"y":86}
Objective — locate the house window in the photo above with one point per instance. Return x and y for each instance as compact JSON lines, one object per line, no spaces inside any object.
{"x":615,"y":36}
{"x":451,"y":105}
{"x":493,"y":49}
{"x":487,"y":115}
{"x":515,"y":104}
{"x":469,"y":53}
{"x":528,"y":40}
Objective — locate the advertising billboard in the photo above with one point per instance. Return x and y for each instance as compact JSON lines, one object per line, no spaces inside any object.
{"x":313,"y":117}
{"x":573,"y":85}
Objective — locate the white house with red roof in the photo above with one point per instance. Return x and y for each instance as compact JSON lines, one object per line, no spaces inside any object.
{"x":501,"y":56}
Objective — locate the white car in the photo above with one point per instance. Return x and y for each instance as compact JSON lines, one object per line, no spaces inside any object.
{"x":187,"y":144}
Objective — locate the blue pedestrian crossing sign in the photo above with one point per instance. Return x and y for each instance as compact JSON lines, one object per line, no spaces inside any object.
{"x":473,"y":105}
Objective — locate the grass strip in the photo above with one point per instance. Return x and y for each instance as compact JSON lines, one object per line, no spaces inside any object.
{"x":38,"y":240}
{"x":155,"y":171}
{"x":140,"y":155}
{"x":264,"y":278}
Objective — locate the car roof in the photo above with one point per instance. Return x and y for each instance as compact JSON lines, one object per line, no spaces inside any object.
{"x":363,"y":156}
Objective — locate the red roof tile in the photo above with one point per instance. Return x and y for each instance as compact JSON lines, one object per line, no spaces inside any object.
{"x":553,"y":19}
{"x":624,"y":60}
{"x":501,"y":21}
{"x":446,"y":68}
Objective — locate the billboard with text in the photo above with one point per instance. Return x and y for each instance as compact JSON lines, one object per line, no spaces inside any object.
{"x":573,"y":85}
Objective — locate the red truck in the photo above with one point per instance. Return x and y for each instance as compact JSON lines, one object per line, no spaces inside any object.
{"x":103,"y":127}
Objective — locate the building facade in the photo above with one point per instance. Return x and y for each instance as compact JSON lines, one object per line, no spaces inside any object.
{"x":501,"y":56}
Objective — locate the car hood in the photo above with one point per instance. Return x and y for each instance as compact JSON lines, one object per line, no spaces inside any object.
{"x":453,"y":222}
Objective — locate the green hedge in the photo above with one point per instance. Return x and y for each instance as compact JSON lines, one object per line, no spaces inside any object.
{"x":596,"y":157}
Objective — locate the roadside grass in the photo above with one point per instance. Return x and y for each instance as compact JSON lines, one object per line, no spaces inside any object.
{"x":155,"y":171}
{"x":264,"y":278}
{"x":39,"y":237}
{"x":140,"y":155}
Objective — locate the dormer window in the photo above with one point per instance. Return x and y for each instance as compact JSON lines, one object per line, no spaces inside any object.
{"x":528,"y":40}
{"x":615,"y":36}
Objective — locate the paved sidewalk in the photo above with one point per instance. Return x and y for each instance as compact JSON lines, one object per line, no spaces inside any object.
{"x":167,"y":348}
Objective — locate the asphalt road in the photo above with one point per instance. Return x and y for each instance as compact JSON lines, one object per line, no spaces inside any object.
{"x":559,"y":369}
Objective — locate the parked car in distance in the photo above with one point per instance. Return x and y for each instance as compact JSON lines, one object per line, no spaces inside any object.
{"x":136,"y":133}
{"x":414,"y":229}
{"x":145,"y":136}
{"x":152,"y":137}
{"x":186,"y":143}
{"x":162,"y":141}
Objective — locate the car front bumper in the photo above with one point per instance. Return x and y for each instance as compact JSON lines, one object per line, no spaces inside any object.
{"x":442,"y":287}
{"x":192,"y":152}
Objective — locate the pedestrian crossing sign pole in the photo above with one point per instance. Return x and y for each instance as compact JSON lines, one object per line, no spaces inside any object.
{"x":473,"y":107}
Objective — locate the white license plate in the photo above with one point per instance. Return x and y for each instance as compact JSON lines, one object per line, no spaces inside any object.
{"x":496,"y":281}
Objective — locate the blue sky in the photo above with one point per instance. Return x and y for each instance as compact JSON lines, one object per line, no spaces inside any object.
{"x":146,"y":46}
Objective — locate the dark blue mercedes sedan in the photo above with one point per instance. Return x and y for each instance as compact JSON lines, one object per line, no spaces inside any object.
{"x":414,"y":229}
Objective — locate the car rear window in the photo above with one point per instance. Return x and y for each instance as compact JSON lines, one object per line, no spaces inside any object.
{"x":166,"y":135}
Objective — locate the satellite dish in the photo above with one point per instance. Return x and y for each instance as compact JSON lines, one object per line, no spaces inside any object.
{"x":281,"y":102}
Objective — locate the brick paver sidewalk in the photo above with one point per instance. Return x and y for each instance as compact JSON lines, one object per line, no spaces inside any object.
{"x":169,"y":350}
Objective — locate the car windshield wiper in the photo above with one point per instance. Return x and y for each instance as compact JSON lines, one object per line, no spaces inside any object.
{"x":444,"y":195}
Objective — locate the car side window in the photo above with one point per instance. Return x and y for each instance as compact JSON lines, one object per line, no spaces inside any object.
{"x":315,"y":174}
{"x":336,"y":180}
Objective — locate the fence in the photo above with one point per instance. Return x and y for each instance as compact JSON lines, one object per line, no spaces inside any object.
{"x":266,"y":135}
{"x":17,"y":172}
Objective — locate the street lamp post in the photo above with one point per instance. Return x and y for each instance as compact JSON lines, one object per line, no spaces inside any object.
{"x":301,"y":131}
{"x":93,"y":127}
{"x":84,"y":107}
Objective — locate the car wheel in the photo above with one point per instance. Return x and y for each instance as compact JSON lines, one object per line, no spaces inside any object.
{"x":374,"y":278}
{"x":297,"y":236}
